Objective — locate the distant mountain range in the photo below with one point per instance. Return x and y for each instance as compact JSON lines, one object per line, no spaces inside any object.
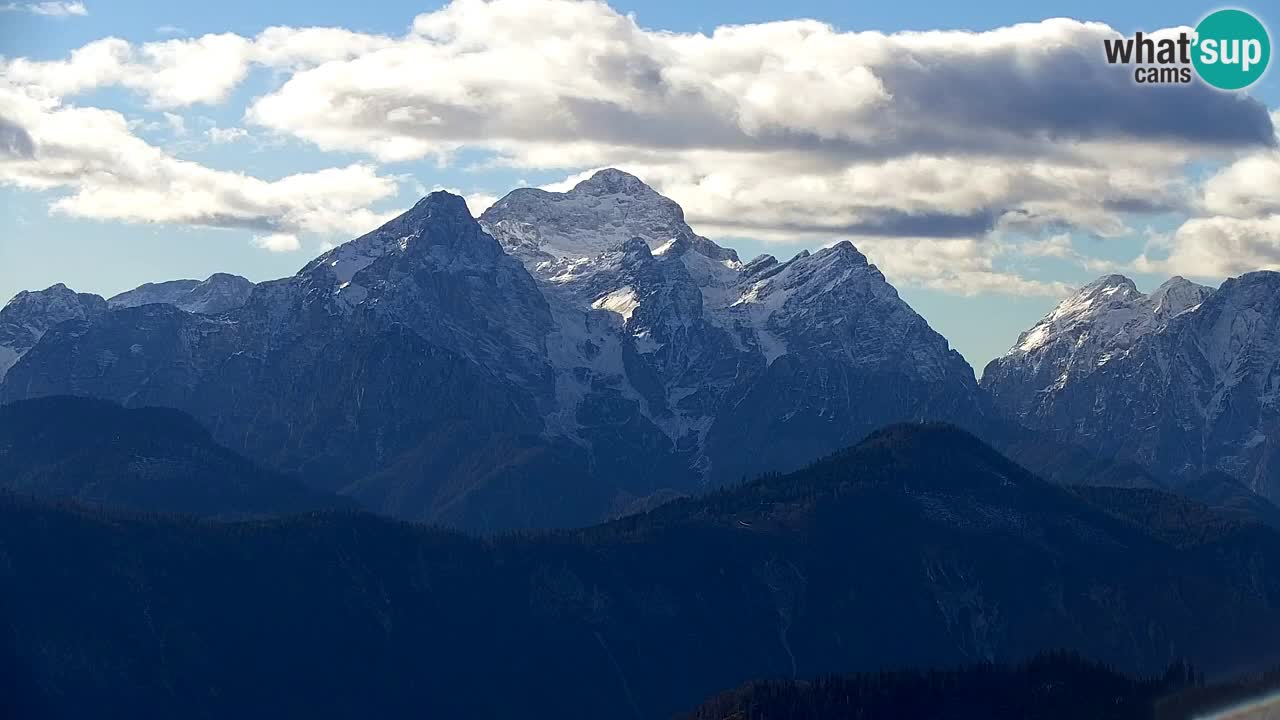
{"x":574,"y":356}
{"x":919,"y":547}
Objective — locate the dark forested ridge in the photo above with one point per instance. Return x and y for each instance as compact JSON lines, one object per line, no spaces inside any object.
{"x":920,"y":547}
{"x":1052,"y":686}
{"x":144,"y":459}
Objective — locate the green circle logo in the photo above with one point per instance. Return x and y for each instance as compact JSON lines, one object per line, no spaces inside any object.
{"x":1232,"y":49}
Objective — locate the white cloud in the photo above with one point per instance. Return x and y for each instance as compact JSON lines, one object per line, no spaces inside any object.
{"x":111,"y":174}
{"x":185,"y":71}
{"x":479,"y":202}
{"x":789,"y":130}
{"x":176,"y":123}
{"x":1239,"y":227}
{"x":172,"y":73}
{"x":964,"y":266}
{"x":593,"y":78}
{"x":50,"y":9}
{"x":278,"y":242}
{"x":222,"y":136}
{"x":1246,"y":188}
{"x":1057,"y":246}
{"x":1219,"y":246}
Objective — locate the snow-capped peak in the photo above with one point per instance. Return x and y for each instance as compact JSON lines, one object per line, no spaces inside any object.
{"x":1112,"y":312}
{"x":611,"y":181}
{"x":599,"y":213}
{"x":1098,"y":298}
{"x":1097,"y":324}
{"x":1176,"y":295}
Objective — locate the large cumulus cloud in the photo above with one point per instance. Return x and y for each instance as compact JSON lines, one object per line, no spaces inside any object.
{"x":556,"y":71}
{"x":935,"y":146}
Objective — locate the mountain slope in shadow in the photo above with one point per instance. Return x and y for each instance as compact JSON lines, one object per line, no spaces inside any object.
{"x":143,"y":460}
{"x":920,"y":547}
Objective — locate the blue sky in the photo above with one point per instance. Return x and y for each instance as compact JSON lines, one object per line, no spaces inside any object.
{"x":982,"y":258}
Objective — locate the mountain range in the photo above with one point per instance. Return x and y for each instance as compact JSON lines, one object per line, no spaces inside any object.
{"x":799,"y":477}
{"x":919,"y":547}
{"x":569,"y":357}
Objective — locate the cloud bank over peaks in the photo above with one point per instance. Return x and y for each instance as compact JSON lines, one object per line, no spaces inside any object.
{"x":939,"y":148}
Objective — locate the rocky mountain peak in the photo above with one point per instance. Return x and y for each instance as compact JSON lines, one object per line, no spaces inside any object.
{"x":437,"y":206}
{"x":1108,"y":291}
{"x":1176,"y":295}
{"x":1110,"y":310}
{"x":30,"y":314}
{"x":220,"y":292}
{"x":598,"y":214}
{"x":438,"y":229}
{"x":440,"y":218}
{"x":1084,"y":333}
{"x":220,"y":278}
{"x":845,"y":250}
{"x":611,"y":181}
{"x":837,"y":270}
{"x":54,"y":304}
{"x":1109,"y":284}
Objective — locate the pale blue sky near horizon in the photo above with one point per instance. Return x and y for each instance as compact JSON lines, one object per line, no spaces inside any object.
{"x":39,"y":247}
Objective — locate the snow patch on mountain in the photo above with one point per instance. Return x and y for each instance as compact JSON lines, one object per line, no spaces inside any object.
{"x":622,"y":302}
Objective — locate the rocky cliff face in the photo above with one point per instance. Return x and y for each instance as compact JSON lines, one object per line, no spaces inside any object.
{"x":1185,"y":380}
{"x":566,"y":357}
